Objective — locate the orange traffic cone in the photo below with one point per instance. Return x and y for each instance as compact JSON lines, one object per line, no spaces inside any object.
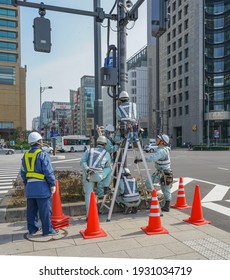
{"x":59,"y":220}
{"x":93,"y":229}
{"x":154,"y":226}
{"x":196,"y":217}
{"x":181,"y":200}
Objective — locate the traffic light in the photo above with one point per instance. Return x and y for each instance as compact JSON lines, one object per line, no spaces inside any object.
{"x":42,"y":35}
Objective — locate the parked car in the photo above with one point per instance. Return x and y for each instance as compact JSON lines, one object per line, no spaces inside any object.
{"x":150,"y":148}
{"x":47,"y":148}
{"x":6,"y":151}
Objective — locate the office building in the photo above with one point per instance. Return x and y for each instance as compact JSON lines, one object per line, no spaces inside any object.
{"x":192,"y":97}
{"x":12,"y":75}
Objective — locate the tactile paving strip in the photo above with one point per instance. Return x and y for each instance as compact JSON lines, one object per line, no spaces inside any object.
{"x":210,"y":248}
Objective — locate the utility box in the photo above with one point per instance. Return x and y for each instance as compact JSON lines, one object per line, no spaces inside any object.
{"x":108,"y":76}
{"x":42,"y":35}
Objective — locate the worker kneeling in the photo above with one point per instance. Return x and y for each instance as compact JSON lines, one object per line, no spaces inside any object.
{"x":128,"y":196}
{"x":96,"y":167}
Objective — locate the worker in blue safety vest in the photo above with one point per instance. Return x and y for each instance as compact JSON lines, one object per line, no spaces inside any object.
{"x":39,"y":180}
{"x":96,"y":167}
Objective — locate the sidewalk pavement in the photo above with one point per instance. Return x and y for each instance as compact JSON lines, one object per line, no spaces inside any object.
{"x":124,"y":239}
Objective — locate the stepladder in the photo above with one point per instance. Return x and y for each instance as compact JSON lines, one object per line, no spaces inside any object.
{"x":109,"y":199}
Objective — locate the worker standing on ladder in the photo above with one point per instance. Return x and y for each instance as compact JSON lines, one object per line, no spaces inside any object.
{"x":96,"y":167}
{"x":163,"y":174}
{"x":126,"y":114}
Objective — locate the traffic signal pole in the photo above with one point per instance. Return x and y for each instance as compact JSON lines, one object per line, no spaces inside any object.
{"x":98,"y":102}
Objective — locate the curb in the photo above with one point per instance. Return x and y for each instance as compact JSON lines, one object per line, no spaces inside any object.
{"x":11,"y":215}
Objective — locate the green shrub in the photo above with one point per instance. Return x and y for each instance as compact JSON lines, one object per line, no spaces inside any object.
{"x":70,"y":187}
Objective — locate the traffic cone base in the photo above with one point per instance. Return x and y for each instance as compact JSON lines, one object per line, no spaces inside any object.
{"x":59,"y":220}
{"x":181,"y":206}
{"x":197,"y":222}
{"x":196,"y":217}
{"x":154,"y":225}
{"x":93,"y":229}
{"x":96,"y":234}
{"x":150,"y":231}
{"x":181,"y":199}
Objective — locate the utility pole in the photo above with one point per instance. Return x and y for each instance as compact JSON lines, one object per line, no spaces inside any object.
{"x":121,"y":46}
{"x":98,"y":102}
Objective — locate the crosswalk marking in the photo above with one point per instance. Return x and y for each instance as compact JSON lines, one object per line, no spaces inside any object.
{"x":216,"y":207}
{"x":217,"y":193}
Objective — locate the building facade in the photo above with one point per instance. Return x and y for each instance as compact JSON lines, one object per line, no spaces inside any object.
{"x":191,"y":100}
{"x":217,"y":71}
{"x":12,"y":75}
{"x":88,"y":97}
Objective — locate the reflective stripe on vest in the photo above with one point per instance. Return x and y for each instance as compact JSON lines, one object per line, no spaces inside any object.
{"x":30,"y":159}
{"x":130,"y":187}
{"x":95,"y":158}
{"x":167,"y":161}
{"x":127,"y":111}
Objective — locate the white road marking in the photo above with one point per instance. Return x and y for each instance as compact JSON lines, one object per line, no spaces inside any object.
{"x":222,"y":168}
{"x":216,"y":194}
{"x":218,"y":208}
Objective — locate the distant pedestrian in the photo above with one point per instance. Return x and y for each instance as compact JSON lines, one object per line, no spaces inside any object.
{"x":22,"y":149}
{"x":39,"y":180}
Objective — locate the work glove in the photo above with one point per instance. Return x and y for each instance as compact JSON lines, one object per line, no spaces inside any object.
{"x":53,"y":189}
{"x":137,"y":160}
{"x":90,"y":172}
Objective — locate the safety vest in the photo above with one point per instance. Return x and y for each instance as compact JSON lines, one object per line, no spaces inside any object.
{"x":128,"y":111}
{"x":131,"y":189}
{"x":167,"y":160}
{"x":30,"y":159}
{"x":95,"y":159}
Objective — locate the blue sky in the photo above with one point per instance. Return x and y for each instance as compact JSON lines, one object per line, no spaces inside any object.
{"x":72,"y":51}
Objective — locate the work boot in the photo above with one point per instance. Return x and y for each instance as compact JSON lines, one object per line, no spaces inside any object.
{"x":166,"y":207}
{"x":106,"y":190}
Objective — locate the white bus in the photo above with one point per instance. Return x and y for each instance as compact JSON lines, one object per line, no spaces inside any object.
{"x":72,"y":143}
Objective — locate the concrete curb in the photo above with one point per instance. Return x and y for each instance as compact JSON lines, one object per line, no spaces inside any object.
{"x":9,"y":215}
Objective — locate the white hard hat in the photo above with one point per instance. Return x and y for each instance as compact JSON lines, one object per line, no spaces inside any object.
{"x":101,"y":140}
{"x":164,"y":138}
{"x":124,"y":95}
{"x":109,"y":128}
{"x":34,"y":137}
{"x":126,"y":171}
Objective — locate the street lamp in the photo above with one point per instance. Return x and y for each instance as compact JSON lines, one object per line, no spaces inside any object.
{"x":42,"y":89}
{"x":208,"y":138}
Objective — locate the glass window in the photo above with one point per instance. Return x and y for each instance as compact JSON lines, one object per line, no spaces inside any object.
{"x":8,"y":57}
{"x":8,"y":34}
{"x":218,"y":37}
{"x":218,"y":66}
{"x":218,"y":23}
{"x":218,"y":8}
{"x":8,"y":46}
{"x":6,"y":125}
{"x":186,"y":110}
{"x":7,"y":13}
{"x":7,"y":75}
{"x":219,"y":52}
{"x":8,"y":23}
